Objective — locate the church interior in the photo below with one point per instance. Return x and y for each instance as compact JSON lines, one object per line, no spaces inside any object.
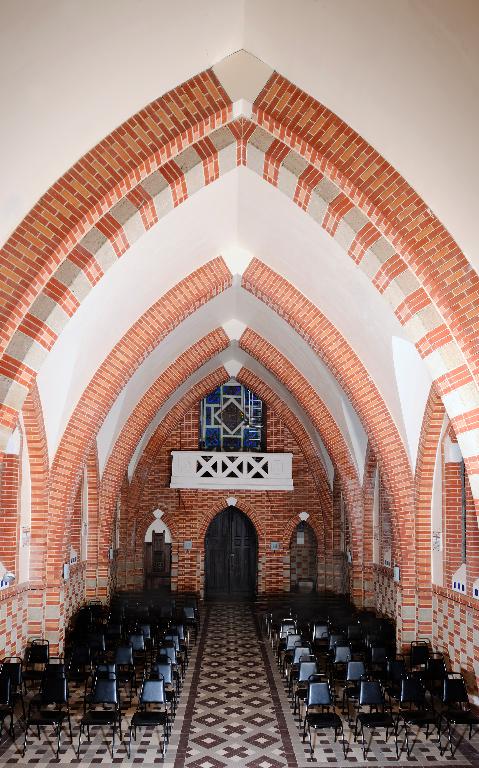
{"x":239,"y":383}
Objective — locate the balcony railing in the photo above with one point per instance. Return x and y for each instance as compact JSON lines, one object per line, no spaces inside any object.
{"x":233,"y":471}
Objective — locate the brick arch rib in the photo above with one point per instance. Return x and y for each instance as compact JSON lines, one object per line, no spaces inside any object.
{"x":150,"y":403}
{"x":40,"y":483}
{"x":391,"y":212}
{"x":108,"y":382}
{"x":351,"y":374}
{"x":432,"y":424}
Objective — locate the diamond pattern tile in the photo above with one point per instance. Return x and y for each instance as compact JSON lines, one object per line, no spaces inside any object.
{"x":233,"y":713}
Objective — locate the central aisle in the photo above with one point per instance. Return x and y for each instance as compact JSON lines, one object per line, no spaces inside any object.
{"x":235,"y":713}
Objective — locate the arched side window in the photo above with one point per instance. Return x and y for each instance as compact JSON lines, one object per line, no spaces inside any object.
{"x":460,"y":529}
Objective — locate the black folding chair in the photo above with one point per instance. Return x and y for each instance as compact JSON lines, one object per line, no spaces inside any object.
{"x":414,"y":711}
{"x":12,"y":667}
{"x":457,"y":710}
{"x":151,"y":711}
{"x":101,"y":708}
{"x":49,"y":708}
{"x":6,"y":704}
{"x":320,"y":714}
{"x":371,"y":695}
{"x":36,"y":658}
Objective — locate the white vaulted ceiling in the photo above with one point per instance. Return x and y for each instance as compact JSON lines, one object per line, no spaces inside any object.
{"x":238,"y":209}
{"x":383,"y":67}
{"x":404,"y":75}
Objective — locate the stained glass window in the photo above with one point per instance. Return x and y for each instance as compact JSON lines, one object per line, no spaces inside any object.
{"x":232,"y":418}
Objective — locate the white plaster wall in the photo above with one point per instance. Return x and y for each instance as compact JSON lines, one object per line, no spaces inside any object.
{"x":413,"y":386}
{"x":157,"y":526}
{"x":264,"y":222}
{"x":86,"y":66}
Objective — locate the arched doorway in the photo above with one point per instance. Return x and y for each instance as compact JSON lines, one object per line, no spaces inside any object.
{"x":303,"y":558}
{"x":157,"y":554}
{"x":230,"y":555}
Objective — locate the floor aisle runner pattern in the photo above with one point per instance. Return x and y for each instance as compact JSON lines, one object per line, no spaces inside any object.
{"x":233,"y":713}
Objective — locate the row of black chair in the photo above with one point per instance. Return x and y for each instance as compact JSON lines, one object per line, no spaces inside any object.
{"x":400,"y":692}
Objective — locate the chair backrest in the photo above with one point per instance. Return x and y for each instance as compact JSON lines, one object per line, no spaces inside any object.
{"x":319,"y":694}
{"x":164,"y":669}
{"x":106,"y":671}
{"x":153,"y":692}
{"x":11,"y":667}
{"x":5,"y":690}
{"x":189,"y":612}
{"x":81,"y":657}
{"x":172,"y":638}
{"x":378,"y":654}
{"x":145,"y":630}
{"x":124,"y":655}
{"x":412,"y":691}
{"x":287,"y":627}
{"x":436,"y":668}
{"x":137,"y":642}
{"x":96,"y":641}
{"x":342,"y":654}
{"x":396,"y":669}
{"x":306,"y":669}
{"x":54,"y":668}
{"x":178,"y":629}
{"x":336,"y":638}
{"x":54,"y":690}
{"x":354,"y":631}
{"x":301,"y":650}
{"x":419,"y":653}
{"x":355,"y":671}
{"x":455,"y":691}
{"x":104,"y":692}
{"x":168,"y":650}
{"x":113,"y":629}
{"x":38,"y":652}
{"x":291,"y":641}
{"x":320,"y":632}
{"x":370,"y":693}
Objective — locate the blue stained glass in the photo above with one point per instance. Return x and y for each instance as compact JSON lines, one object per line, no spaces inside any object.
{"x":221,"y":413}
{"x":232,"y":443}
{"x":232,"y":390}
{"x":214,"y":398}
{"x":212,"y":437}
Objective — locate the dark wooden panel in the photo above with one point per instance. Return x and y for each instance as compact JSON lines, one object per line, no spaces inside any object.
{"x":230,"y":556}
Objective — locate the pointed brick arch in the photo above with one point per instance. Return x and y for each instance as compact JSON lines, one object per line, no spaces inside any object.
{"x":432,"y":424}
{"x":351,"y":374}
{"x":244,"y":506}
{"x":340,"y":180}
{"x":40,"y":483}
{"x":272,"y":400}
{"x":107,"y":383}
{"x":300,"y":435}
{"x":150,"y":403}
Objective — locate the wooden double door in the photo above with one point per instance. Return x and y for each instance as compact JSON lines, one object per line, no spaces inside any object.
{"x":230,"y":555}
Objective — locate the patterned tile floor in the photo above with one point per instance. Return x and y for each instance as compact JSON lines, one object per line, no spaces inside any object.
{"x":233,"y":711}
